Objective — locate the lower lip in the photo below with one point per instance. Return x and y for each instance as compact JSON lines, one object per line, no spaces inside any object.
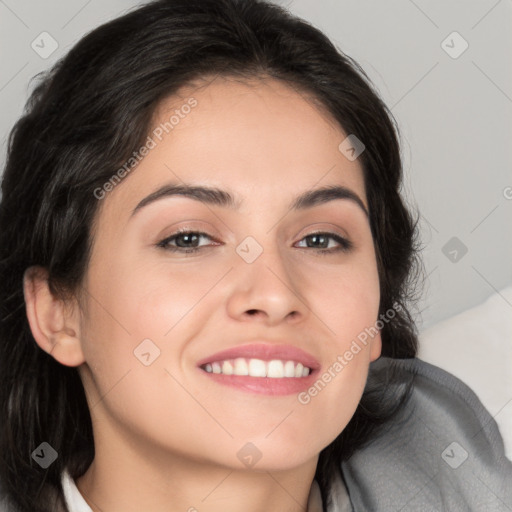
{"x":264,"y":385}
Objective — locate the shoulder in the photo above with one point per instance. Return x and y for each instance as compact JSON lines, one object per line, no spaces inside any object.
{"x":442,"y":451}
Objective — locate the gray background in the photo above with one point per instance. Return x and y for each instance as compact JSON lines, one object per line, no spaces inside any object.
{"x":454,"y":115}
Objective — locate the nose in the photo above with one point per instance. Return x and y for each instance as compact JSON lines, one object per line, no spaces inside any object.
{"x":268,"y":290}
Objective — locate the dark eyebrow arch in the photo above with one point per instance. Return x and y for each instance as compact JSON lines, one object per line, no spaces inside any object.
{"x":217,"y":197}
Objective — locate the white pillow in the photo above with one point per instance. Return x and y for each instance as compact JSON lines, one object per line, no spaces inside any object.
{"x":476,"y":347}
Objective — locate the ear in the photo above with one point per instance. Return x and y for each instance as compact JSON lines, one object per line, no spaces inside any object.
{"x":376,"y":347}
{"x":55,"y":325}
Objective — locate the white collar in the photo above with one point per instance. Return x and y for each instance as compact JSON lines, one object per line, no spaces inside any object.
{"x":74,"y":500}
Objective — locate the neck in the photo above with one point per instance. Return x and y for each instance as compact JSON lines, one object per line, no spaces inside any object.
{"x":120,"y":478}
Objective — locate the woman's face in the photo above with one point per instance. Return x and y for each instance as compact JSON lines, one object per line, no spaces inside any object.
{"x":254,"y":279}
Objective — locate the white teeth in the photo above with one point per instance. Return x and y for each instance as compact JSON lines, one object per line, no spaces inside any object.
{"x":274,"y":369}
{"x":257,"y":368}
{"x":227,"y":368}
{"x":289,"y":369}
{"x":241,"y":367}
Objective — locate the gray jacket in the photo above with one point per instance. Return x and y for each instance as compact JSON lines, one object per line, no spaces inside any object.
{"x":443,"y":452}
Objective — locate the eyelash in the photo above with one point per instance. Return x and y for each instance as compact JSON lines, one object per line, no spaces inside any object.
{"x":344,"y":244}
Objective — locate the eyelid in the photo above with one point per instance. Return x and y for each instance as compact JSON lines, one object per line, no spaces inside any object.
{"x":191,"y":226}
{"x":322,"y":227}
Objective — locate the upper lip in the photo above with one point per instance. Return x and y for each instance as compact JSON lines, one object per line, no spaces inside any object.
{"x":266,"y":352}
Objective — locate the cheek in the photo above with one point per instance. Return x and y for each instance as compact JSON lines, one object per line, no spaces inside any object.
{"x":349,"y":308}
{"x":332,"y":400}
{"x":346,"y":298}
{"x":133,"y":301}
{"x":128,"y":318}
{"x":136,"y":309}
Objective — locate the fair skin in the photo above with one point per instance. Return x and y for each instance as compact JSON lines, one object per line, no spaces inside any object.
{"x":167,"y":435}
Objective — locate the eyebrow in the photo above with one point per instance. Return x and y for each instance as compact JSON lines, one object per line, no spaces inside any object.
{"x":218,"y":197}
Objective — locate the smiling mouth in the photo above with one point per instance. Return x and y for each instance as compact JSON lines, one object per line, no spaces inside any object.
{"x":273,"y":369}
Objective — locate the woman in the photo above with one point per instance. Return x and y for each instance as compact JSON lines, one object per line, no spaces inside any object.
{"x":207,"y":267}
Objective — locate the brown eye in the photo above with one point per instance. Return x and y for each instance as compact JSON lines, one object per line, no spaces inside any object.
{"x":184,"y":241}
{"x":324,"y":242}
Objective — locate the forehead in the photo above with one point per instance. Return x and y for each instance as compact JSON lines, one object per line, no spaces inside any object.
{"x":262,"y":139}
